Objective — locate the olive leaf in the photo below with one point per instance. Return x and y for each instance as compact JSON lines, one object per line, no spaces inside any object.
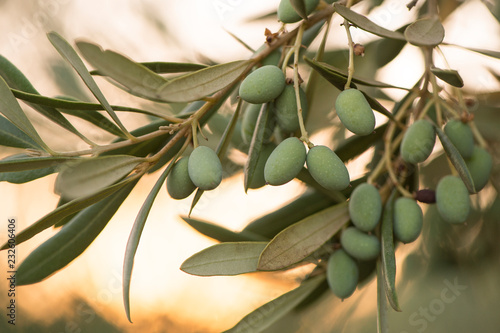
{"x":220,"y":233}
{"x":74,"y":238}
{"x":70,"y":55}
{"x":489,"y":53}
{"x":425,"y":32}
{"x":231,"y":258}
{"x":256,"y":144}
{"x":11,"y":109}
{"x":264,"y":316}
{"x":269,"y":225}
{"x":162,"y":67}
{"x":299,"y":240}
{"x":25,"y":176}
{"x":72,"y":104}
{"x":388,"y":258}
{"x":16,"y":80}
{"x":67,"y":209}
{"x":199,"y":84}
{"x":32,"y":163}
{"x":135,"y":237}
{"x":366,"y":24}
{"x":12,"y":136}
{"x":449,"y":76}
{"x":87,"y":176}
{"x":138,"y":79}
{"x":382,"y":313}
{"x":457,"y":160}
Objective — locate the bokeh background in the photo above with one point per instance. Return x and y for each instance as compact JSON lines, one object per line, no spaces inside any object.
{"x":86,"y":296}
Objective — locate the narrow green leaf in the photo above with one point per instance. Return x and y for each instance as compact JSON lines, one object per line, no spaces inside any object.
{"x":303,"y":238}
{"x":68,"y":53}
{"x":25,"y":176}
{"x":300,"y":8}
{"x":425,"y":32}
{"x":269,"y":225}
{"x":199,"y":84}
{"x":95,"y":118}
{"x":161,"y":67}
{"x":75,"y":104}
{"x":67,"y":209}
{"x":74,"y":238}
{"x":220,"y":233}
{"x":256,"y":144}
{"x":388,"y":258}
{"x":135,"y":237}
{"x":489,"y":53}
{"x":356,"y":144}
{"x":139,"y":80}
{"x":12,"y":136}
{"x":89,"y":175}
{"x":11,"y":109}
{"x":16,"y":80}
{"x":32,"y":163}
{"x":264,"y":316}
{"x":335,"y":72}
{"x":231,"y":258}
{"x":366,"y":24}
{"x":449,"y":76}
{"x":494,"y":8}
{"x":382,"y":313}
{"x":385,"y":50}
{"x":456,"y":159}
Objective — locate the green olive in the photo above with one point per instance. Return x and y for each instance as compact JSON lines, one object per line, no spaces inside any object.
{"x":461,"y":136}
{"x":452,"y":199}
{"x":418,"y":142}
{"x":179,"y":185}
{"x":479,"y":164}
{"x":327,"y":168}
{"x":285,"y":108}
{"x":360,"y":245}
{"x":355,"y":112}
{"x":204,"y":168}
{"x":285,"y":162}
{"x":365,"y":207}
{"x":262,"y":85}
{"x":287,"y":14}
{"x":408,"y":219}
{"x":342,"y":274}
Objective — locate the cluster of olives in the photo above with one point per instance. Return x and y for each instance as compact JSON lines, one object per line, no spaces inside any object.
{"x":358,"y":243}
{"x":202,"y":169}
{"x":452,"y":196}
{"x":279,"y":165}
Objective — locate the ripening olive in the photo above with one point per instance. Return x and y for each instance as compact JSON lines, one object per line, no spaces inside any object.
{"x":179,"y":185}
{"x":205,"y":169}
{"x":452,"y":199}
{"x":285,"y":161}
{"x":461,"y":136}
{"x":365,"y":207}
{"x":285,"y":108}
{"x":263,"y":85}
{"x":327,"y":168}
{"x":408,"y":219}
{"x":360,"y":245}
{"x":258,"y":179}
{"x":355,"y":112}
{"x":418,"y":142}
{"x":342,"y":274}
{"x":479,"y":165}
{"x":287,"y":14}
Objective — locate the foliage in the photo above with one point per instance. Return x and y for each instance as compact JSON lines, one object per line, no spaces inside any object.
{"x":93,"y":183}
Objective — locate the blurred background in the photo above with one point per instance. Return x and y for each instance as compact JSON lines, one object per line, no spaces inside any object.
{"x":463,"y":264}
